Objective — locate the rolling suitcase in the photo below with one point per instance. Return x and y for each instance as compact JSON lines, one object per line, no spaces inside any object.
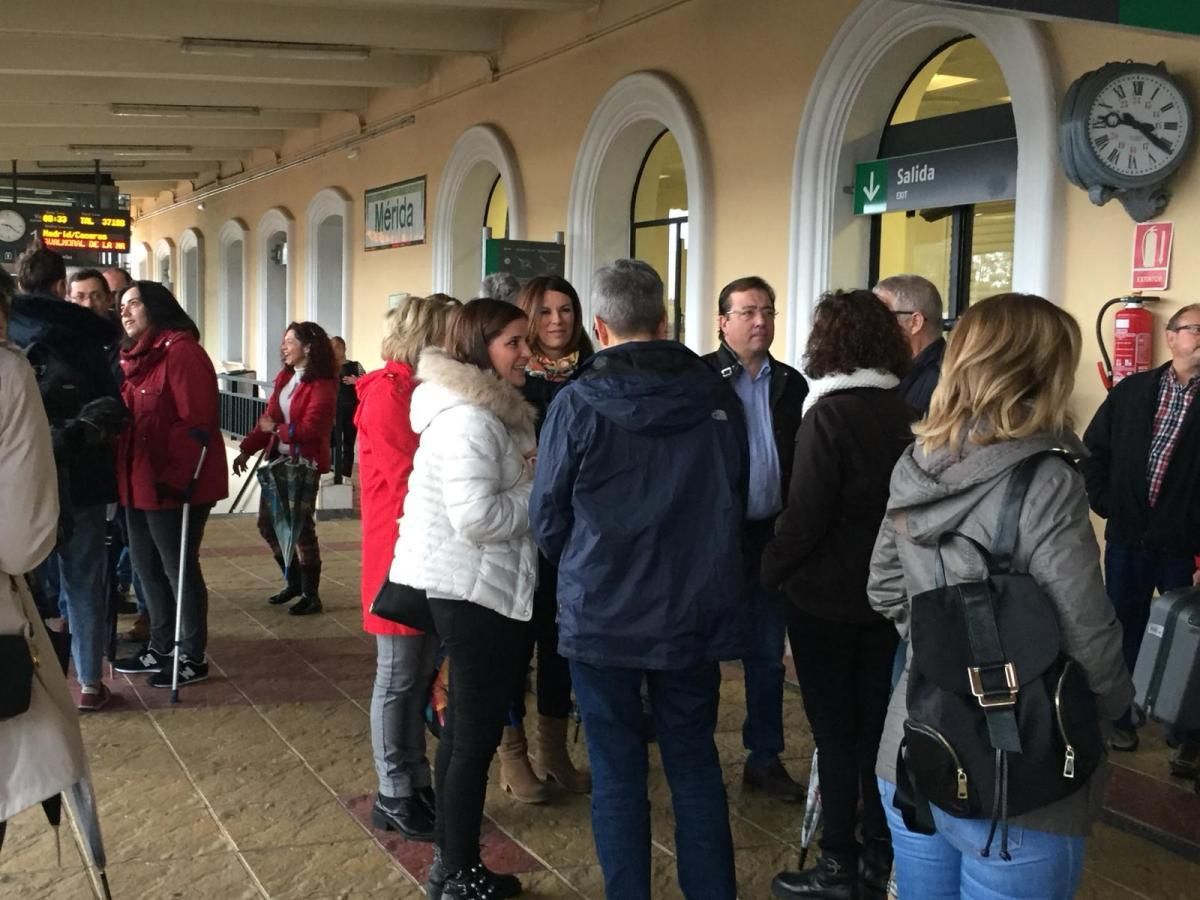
{"x":1166,"y":679}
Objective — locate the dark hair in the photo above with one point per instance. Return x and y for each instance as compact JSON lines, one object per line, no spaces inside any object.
{"x":475,"y":326}
{"x":163,"y":311}
{"x":533,"y":294}
{"x":317,"y":346}
{"x":39,"y":269}
{"x":855,"y":330}
{"x":125,"y":276}
{"x":88,"y":275}
{"x":737,"y":286}
{"x":443,"y":298}
{"x":337,"y":338}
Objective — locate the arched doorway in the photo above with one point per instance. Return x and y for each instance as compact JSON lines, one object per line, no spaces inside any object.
{"x":141,"y":262}
{"x":328,"y":226}
{"x":275,"y":231}
{"x":191,"y":275}
{"x":658,"y":228}
{"x":880,"y":46}
{"x":480,"y":185}
{"x":232,"y":293}
{"x":617,"y":148}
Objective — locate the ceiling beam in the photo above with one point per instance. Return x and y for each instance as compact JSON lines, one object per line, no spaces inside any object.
{"x":23,"y":149}
{"x":542,"y":5}
{"x":156,"y":169}
{"x":78,"y":89}
{"x":127,"y":57}
{"x":147,"y":188}
{"x":139,"y":134}
{"x":417,"y":30}
{"x":32,"y":115}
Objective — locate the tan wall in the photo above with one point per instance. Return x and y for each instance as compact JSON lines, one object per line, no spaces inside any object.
{"x":746,"y":66}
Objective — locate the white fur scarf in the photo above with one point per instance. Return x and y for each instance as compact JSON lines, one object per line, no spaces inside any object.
{"x":873,"y":378}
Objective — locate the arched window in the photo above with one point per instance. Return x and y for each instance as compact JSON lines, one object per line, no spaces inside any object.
{"x":495,"y":215}
{"x":328,"y":253}
{"x":191,"y":275}
{"x":164,"y":264}
{"x":658,"y":232}
{"x":233,"y":292}
{"x":141,"y":262}
{"x":274,"y":286}
{"x":957,"y":97}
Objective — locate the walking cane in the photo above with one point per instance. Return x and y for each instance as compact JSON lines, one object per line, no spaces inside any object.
{"x":183,"y":546}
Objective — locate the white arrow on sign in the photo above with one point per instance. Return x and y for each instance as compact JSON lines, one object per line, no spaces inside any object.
{"x":871,"y":188}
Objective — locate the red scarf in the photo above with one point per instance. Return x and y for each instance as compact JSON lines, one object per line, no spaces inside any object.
{"x":146,"y":354}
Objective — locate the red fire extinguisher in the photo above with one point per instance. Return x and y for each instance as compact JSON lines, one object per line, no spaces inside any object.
{"x":1133,"y":329}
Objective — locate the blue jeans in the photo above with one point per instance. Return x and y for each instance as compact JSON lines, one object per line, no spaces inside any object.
{"x":947,"y":865}
{"x":1132,"y":575}
{"x":762,"y":732}
{"x":684,"y":703}
{"x":76,"y":571}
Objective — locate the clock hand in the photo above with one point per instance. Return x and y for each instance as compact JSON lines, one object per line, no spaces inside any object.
{"x":1148,"y":131}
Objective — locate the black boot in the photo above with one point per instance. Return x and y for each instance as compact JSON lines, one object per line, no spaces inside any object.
{"x":292,"y":590}
{"x":310,"y":583}
{"x":875,"y":869}
{"x":502,"y":886}
{"x":835,"y":877}
{"x":479,"y":883}
{"x":406,"y":815}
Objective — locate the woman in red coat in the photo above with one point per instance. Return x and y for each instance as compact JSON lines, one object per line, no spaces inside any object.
{"x":298,"y":421}
{"x":404,"y":656}
{"x":170,"y":388}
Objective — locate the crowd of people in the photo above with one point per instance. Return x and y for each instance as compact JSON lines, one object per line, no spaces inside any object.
{"x":631,"y":515}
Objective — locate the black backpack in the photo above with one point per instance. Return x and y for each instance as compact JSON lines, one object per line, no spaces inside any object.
{"x":1000,"y":720}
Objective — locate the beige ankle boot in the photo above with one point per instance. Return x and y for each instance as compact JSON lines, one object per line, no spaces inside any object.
{"x":551,"y":760}
{"x":516,"y":776}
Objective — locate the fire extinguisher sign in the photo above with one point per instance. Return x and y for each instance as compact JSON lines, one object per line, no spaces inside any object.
{"x":1152,"y":255}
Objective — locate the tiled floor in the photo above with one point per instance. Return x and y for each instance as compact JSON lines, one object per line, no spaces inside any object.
{"x":257,"y":784}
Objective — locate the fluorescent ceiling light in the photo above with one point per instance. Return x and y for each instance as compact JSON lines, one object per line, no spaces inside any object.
{"x":182,"y":110}
{"x":134,"y":151}
{"x":277,"y":49}
{"x":941,"y":82}
{"x":81,"y":164}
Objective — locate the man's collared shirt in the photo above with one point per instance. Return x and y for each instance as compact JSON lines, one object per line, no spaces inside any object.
{"x":765,"y":475}
{"x":1173,"y":402}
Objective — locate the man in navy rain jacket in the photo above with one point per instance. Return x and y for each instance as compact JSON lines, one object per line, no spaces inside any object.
{"x":639,"y":499}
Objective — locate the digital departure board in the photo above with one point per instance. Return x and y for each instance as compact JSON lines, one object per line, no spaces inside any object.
{"x":96,"y":230}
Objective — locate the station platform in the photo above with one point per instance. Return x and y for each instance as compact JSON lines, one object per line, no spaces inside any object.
{"x":259,"y":784}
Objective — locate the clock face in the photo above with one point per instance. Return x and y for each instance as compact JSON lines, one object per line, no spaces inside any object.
{"x":1138,"y":125}
{"x":12,"y":225}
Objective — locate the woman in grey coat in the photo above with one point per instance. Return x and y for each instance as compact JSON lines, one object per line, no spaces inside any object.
{"x":1004,"y":395}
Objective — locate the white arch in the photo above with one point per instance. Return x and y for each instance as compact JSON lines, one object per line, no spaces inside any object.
{"x":883,"y":41}
{"x":191,"y":291}
{"x":232,"y":322}
{"x":140,"y":258}
{"x":270,"y":327}
{"x":165,"y":249}
{"x":625,"y":123}
{"x":462,"y":197}
{"x":330,"y":201}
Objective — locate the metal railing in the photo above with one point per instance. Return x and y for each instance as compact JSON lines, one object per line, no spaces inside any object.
{"x":243,"y":401}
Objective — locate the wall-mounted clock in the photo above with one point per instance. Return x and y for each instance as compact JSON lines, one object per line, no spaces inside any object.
{"x":12,"y":226}
{"x":1125,"y":127}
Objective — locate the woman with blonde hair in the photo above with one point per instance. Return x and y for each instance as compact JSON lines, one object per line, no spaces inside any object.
{"x":1004,"y":396}
{"x":404,"y":656}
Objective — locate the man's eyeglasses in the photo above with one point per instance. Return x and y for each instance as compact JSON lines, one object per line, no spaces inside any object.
{"x":1193,"y":330}
{"x":750,"y":312}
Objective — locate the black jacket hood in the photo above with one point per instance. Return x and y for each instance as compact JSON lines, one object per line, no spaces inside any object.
{"x":46,"y":319}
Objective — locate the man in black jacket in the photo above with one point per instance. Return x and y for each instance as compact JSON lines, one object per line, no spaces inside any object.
{"x":1143,"y":476}
{"x":772,"y":394}
{"x":66,"y":343}
{"x":917,"y":305}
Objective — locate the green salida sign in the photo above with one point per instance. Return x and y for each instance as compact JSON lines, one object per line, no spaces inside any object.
{"x":955,"y":176}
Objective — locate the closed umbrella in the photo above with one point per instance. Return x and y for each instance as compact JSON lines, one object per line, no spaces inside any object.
{"x":289,"y":488}
{"x":82,"y":803}
{"x":812,"y":810}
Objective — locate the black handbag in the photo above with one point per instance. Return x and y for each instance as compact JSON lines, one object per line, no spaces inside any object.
{"x":403,"y":605}
{"x":1000,"y":720}
{"x":17,"y":662}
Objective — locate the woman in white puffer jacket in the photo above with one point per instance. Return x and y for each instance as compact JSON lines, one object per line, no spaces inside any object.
{"x":464,"y":539}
